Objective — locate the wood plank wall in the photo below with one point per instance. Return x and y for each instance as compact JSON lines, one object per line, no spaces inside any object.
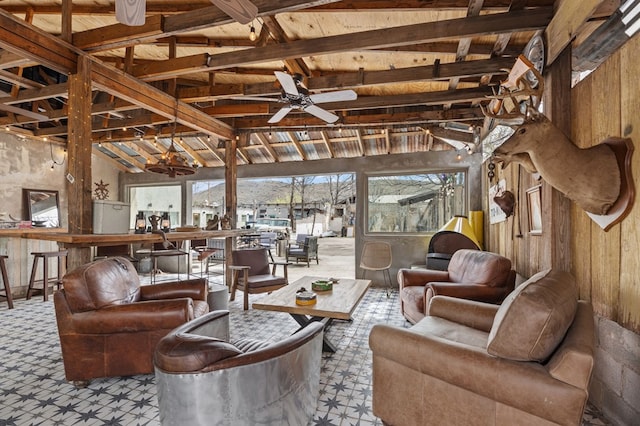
{"x":606,"y":264}
{"x":607,"y":103}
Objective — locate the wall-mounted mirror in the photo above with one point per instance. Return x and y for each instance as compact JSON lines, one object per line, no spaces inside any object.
{"x":42,"y":207}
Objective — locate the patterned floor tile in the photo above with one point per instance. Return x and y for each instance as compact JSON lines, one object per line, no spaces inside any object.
{"x":33,"y":390}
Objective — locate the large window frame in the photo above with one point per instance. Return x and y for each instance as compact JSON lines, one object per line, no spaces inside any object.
{"x":414,"y":203}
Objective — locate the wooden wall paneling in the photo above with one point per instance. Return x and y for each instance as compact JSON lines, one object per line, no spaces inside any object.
{"x":629,"y":302}
{"x":605,"y":246}
{"x":580,"y":222}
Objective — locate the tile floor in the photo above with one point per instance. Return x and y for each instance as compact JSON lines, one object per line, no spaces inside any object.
{"x":33,"y":390}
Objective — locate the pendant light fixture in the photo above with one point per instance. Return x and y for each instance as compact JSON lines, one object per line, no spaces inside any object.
{"x":172,"y":162}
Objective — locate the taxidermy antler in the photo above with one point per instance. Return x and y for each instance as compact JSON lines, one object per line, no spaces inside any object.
{"x":598,"y":179}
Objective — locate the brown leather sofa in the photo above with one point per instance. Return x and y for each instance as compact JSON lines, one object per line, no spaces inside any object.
{"x":471,"y":274}
{"x":203,"y":378}
{"x":109,"y":324}
{"x":526,"y":362}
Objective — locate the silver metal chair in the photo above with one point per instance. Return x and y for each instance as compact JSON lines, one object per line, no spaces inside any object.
{"x":204,"y":379}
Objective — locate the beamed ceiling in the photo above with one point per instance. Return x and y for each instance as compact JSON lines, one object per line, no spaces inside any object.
{"x":421,"y":70}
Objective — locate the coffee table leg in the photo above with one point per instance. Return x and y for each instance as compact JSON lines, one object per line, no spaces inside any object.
{"x":304,"y":321}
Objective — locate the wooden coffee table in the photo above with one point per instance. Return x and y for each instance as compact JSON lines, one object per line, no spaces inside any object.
{"x":338,"y":303}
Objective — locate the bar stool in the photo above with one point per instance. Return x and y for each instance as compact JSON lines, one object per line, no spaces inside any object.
{"x":46,"y":280}
{"x":5,"y":280}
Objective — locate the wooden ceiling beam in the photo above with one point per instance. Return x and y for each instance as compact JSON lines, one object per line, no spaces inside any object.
{"x":367,"y":119}
{"x":112,"y":161}
{"x":267,"y":145}
{"x":327,"y":143}
{"x":22,"y":38}
{"x":30,"y":95}
{"x":495,"y":66}
{"x":114,"y":148}
{"x":296,"y":144}
{"x":360,"y":5}
{"x":477,"y":26}
{"x":25,"y":40}
{"x":18,"y":80}
{"x":218,"y":154}
{"x":120,"y":35}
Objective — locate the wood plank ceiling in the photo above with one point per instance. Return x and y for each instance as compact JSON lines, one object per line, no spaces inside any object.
{"x":421,"y":69}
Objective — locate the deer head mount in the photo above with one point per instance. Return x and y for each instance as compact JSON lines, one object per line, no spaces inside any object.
{"x":590,"y":176}
{"x":598,"y":179}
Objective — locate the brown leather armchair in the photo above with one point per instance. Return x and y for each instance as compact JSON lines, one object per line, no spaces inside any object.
{"x":471,"y":274}
{"x":109,"y":325}
{"x":526,"y":362}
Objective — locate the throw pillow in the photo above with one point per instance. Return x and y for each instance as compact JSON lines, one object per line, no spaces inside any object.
{"x":533,"y":319}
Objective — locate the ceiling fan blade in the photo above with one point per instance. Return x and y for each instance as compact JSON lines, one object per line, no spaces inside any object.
{"x":131,"y":12}
{"x":322,"y":114}
{"x":279,"y":115}
{"x":287,"y":82}
{"x":255,"y":98}
{"x":338,"y":96}
{"x":242,"y":11}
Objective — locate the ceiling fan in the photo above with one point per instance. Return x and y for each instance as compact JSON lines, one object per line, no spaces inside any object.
{"x":132,"y":12}
{"x":296,"y":96}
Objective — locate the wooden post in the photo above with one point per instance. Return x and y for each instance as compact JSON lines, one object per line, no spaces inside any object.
{"x":557,"y":101}
{"x":80,"y":212}
{"x":230,"y":198}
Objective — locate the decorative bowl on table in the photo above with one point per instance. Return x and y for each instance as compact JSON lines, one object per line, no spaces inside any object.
{"x":305,"y":298}
{"x":322,"y":285}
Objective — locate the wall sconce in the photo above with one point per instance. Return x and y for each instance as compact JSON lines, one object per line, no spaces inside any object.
{"x":165,"y":224}
{"x":141,"y":223}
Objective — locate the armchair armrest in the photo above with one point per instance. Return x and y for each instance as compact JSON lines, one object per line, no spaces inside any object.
{"x":473,"y":314}
{"x":284,"y":266}
{"x":239,"y":267}
{"x":482,"y":293}
{"x":415,"y":277}
{"x":471,"y":368}
{"x":196,"y":289}
{"x":134,"y":317}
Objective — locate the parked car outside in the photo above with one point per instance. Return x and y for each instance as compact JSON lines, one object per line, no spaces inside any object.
{"x":281,"y":226}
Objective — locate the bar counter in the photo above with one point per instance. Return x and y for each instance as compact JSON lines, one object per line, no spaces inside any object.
{"x":68,"y":240}
{"x":79,"y":245}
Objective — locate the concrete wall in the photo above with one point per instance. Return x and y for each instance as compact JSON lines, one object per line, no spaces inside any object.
{"x":615,"y":384}
{"x":406,"y":250}
{"x":26,"y":163}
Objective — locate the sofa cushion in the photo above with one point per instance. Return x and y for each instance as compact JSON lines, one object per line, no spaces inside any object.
{"x":533,"y":319}
{"x":101,"y":283}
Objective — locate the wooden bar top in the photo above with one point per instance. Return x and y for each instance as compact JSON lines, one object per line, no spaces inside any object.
{"x":94,"y":240}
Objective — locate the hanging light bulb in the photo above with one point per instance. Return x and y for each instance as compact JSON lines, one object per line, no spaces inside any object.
{"x":252,"y":34}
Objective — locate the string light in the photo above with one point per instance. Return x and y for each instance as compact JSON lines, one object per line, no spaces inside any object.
{"x":252,"y":33}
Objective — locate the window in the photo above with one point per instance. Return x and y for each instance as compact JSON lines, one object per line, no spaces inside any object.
{"x":416,"y":202}
{"x":156,"y":200}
